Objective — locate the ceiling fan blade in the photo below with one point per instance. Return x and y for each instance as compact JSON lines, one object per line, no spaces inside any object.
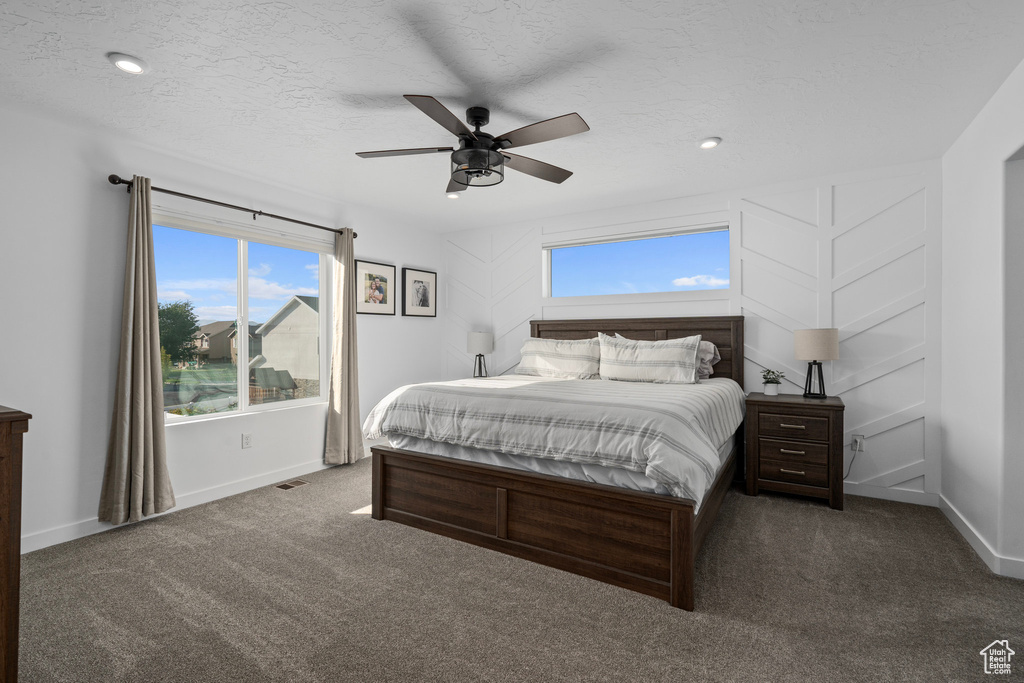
{"x":552,"y":129}
{"x":537,"y":169}
{"x":437,"y":111}
{"x":403,"y":152}
{"x":455,"y":187}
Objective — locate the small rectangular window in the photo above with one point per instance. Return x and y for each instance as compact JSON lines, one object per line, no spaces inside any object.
{"x":674,"y":263}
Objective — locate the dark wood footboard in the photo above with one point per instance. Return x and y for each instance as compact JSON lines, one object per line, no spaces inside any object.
{"x":640,"y":541}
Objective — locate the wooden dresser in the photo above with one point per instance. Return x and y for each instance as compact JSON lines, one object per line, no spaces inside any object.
{"x":795,"y":445}
{"x":13,"y":423}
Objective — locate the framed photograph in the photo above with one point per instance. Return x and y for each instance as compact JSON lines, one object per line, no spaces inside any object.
{"x":375,"y":288}
{"x":419,"y":293}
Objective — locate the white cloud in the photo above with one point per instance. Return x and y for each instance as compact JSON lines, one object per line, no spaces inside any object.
{"x":262,"y":289}
{"x":211,"y":313}
{"x":314,"y":270}
{"x":216,"y":284}
{"x":263,"y":269}
{"x":705,"y":281}
{"x":172,"y":295}
{"x":259,"y":288}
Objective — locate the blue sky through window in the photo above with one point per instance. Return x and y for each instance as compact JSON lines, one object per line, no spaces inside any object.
{"x":202,"y":269}
{"x":659,"y":264}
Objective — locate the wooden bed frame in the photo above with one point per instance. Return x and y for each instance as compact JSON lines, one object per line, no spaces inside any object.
{"x":640,"y":541}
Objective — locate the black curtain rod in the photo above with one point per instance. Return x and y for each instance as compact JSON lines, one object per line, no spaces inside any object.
{"x":118,"y":180}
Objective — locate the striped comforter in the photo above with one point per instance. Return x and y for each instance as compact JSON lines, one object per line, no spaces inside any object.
{"x":669,"y":432}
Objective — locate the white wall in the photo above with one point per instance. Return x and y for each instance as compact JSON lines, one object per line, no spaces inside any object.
{"x":983,"y":472}
{"x":859,"y":252}
{"x":1012,"y":536}
{"x":62,"y":245}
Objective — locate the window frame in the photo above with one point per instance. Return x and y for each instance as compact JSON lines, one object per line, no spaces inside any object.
{"x":678,"y":231}
{"x":244,"y":234}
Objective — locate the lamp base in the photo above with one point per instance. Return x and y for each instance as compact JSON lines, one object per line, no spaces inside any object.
{"x":480,"y":367}
{"x":814,"y":389}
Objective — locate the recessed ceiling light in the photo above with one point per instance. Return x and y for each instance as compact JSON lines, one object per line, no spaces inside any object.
{"x":453,"y":195}
{"x":127,"y":63}
{"x":710,"y":143}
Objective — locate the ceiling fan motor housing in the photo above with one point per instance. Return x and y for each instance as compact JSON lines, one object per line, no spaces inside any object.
{"x":477,"y":166}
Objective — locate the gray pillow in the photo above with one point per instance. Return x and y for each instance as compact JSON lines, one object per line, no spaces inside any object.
{"x":707,"y":356}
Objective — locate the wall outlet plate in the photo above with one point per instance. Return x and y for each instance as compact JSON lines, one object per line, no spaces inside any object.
{"x":246,"y":440}
{"x":858,"y":443}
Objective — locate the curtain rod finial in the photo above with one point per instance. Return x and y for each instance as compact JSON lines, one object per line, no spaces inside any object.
{"x":114,"y":179}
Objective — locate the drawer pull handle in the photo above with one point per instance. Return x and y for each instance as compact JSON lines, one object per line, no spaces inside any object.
{"x":786,"y":450}
{"x":786,"y":426}
{"x":800,"y":472}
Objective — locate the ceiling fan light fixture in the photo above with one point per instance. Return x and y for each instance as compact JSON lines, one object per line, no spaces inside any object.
{"x":710,"y":143}
{"x":452,"y":195}
{"x":474,"y":167}
{"x":127,"y":63}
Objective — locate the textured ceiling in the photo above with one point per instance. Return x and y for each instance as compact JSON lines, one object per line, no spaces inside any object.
{"x":289,"y":90}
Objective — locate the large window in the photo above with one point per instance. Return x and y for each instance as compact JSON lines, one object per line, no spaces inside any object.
{"x":240,"y":323}
{"x":685,"y":262}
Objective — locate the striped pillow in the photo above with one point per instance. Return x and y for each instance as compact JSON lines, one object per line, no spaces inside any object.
{"x":707,"y":356}
{"x":671,"y":361}
{"x":569,"y":358}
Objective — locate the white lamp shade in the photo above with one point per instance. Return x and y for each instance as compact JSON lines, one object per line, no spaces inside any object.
{"x":480,"y":342}
{"x":822,"y":344}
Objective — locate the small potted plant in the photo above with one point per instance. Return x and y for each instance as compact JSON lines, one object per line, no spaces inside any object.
{"x":772,"y":379}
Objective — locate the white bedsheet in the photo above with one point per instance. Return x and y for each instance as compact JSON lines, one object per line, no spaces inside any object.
{"x":669,"y":433}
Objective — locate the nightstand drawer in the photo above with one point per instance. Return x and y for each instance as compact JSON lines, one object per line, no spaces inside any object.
{"x":794,"y":452}
{"x":793,"y":426}
{"x":811,"y":475}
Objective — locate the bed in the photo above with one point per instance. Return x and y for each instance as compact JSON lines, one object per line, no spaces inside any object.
{"x":637,"y":540}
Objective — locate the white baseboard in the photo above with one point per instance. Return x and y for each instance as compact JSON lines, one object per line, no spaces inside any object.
{"x":1004,"y":566}
{"x":897,"y":495}
{"x":87,"y":527}
{"x":1012,"y":567}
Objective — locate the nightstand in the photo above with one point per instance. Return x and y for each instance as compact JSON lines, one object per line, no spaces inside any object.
{"x":795,"y":445}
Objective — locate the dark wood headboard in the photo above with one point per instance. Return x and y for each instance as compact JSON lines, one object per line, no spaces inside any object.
{"x":725,"y":332}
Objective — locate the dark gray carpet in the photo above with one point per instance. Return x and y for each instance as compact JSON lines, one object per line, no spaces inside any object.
{"x":278,"y":585}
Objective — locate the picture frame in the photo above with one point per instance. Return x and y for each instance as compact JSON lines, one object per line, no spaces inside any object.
{"x":419,"y":293}
{"x":375,"y":288}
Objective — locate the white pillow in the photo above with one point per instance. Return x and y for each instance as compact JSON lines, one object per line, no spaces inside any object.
{"x":667,"y":361}
{"x":569,"y":358}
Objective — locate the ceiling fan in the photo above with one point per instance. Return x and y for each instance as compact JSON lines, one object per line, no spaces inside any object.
{"x":481,"y":158}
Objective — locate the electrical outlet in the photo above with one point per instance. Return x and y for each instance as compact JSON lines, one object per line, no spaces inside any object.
{"x":858,"y":443}
{"x":246,"y":440}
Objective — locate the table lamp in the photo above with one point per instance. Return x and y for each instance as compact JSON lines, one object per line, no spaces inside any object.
{"x":480,"y":343}
{"x":815,"y":346}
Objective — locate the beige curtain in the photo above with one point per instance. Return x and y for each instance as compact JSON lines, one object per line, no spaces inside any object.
{"x":344,"y":438}
{"x":136,"y":482}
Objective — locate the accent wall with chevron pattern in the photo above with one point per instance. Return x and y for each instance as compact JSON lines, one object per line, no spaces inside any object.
{"x":859,"y":252}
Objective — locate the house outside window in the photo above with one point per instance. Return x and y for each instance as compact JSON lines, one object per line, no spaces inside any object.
{"x":211,"y":286}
